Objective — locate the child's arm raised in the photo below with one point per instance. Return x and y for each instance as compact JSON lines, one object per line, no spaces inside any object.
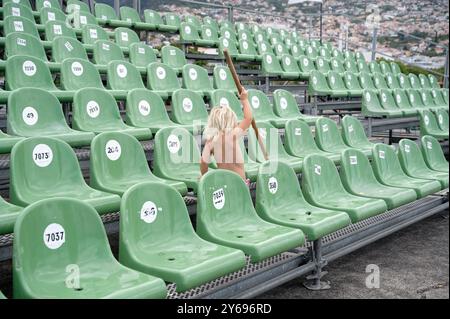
{"x":248,"y":116}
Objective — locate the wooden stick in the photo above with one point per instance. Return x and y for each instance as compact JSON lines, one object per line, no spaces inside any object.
{"x":240,"y":89}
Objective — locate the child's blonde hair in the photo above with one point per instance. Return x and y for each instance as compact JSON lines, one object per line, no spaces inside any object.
{"x":221,"y":119}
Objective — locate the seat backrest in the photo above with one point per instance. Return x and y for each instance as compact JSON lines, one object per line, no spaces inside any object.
{"x":19,"y":24}
{"x":432,"y":151}
{"x":427,"y":98}
{"x":228,"y":33}
{"x":306,"y":65}
{"x":349,"y":55}
{"x":211,"y":22}
{"x":17,"y":10}
{"x":355,"y":170}
{"x":188,"y":107}
{"x":337,"y":65}
{"x":311,"y":52}
{"x":116,"y":156}
{"x":270,"y":63}
{"x":366,"y":81}
{"x":247,"y":47}
{"x":395,"y":68}
{"x":296,"y":51}
{"x":318,"y":82}
{"x":289,"y":64}
{"x":193,"y":19}
{"x":374,"y":67}
{"x":55,"y":29}
{"x":385,"y":67}
{"x":327,"y":134}
{"x":335,"y":81}
{"x":351,"y":81}
{"x":411,"y":157}
{"x":264,"y":47}
{"x":196,"y":78}
{"x":123,"y":75}
{"x":91,"y":33}
{"x":415,"y":99}
{"x":363,"y":66}
{"x":370,"y":101}
{"x":385,"y":163}
{"x":285,"y":104}
{"x":245,"y":35}
{"x":298,"y":139}
{"x":76,"y":5}
{"x":433,"y":81}
{"x":161,"y":77}
{"x":26,"y":71}
{"x":189,"y":32}
{"x":350,"y":65}
{"x":65,"y":48}
{"x":34,"y":112}
{"x":404,"y":81}
{"x":153,"y":17}
{"x":438,"y":97}
{"x":228,"y":44}
{"x":42,"y":4}
{"x":414,"y":81}
{"x":51,"y":14}
{"x":172,"y":19}
{"x":260,"y":103}
{"x":353,"y":131}
{"x":442,"y":118}
{"x":106,"y":51}
{"x":392,"y":81}
{"x":209,"y":33}
{"x":78,"y":73}
{"x":337,"y":54}
{"x":93,"y":108}
{"x":78,"y":20}
{"x":222,"y":79}
{"x":387,"y":100}
{"x":129,"y":14}
{"x":144,"y":107}
{"x":225,"y":98}
{"x":25,"y":3}
{"x":322,"y":65}
{"x":39,"y":163}
{"x":53,"y":234}
{"x":428,"y":121}
{"x":124,"y":37}
{"x":141,"y":55}
{"x":401,"y":99}
{"x":324,"y":53}
{"x":173,"y":57}
{"x":270,"y":138}
{"x":424,"y":81}
{"x":280,"y":49}
{"x":105,"y":12}
{"x":18,"y":43}
{"x":380,"y":81}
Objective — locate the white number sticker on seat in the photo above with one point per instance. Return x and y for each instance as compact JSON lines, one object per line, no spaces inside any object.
{"x":21,"y":42}
{"x":317,"y":169}
{"x":29,"y":68}
{"x":15,"y":12}
{"x":173,"y":144}
{"x":187,"y":104}
{"x":287,"y":61}
{"x":105,"y":46}
{"x":245,"y":45}
{"x":218,"y":198}
{"x":57,"y":29}
{"x":144,"y":108}
{"x":54,"y":236}
{"x":121,"y":71}
{"x":228,"y":36}
{"x":283,"y":103}
{"x":298,"y":131}
{"x":325,"y":127}
{"x":407,"y":148}
{"x":18,"y":26}
{"x":149,"y":212}
{"x":350,"y":128}
{"x":187,"y":29}
{"x":160,"y":73}
{"x":269,"y":59}
{"x":83,"y":20}
{"x":193,"y":74}
{"x":223,"y":74}
{"x":141,"y":50}
{"x":42,"y":155}
{"x":224,"y":102}
{"x":381,"y":155}
{"x":272,"y":185}
{"x":51,"y":16}
{"x":30,"y":115}
{"x":429,"y":145}
{"x":255,"y":102}
{"x":225,"y":43}
{"x":47,"y":4}
{"x":353,"y":160}
{"x":113,"y":150}
{"x":93,"y":33}
{"x":124,"y":36}
{"x":208,"y":33}
{"x":68,"y":46}
{"x":93,"y":109}
{"x":440,"y":119}
{"x":426,"y":119}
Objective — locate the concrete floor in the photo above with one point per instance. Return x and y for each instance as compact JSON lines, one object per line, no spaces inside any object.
{"x":413,"y":264}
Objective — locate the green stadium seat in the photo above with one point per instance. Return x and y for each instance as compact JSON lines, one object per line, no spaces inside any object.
{"x":67,"y":48}
{"x":228,"y":33}
{"x":291,"y":68}
{"x":226,"y":216}
{"x":358,"y":179}
{"x":429,"y":125}
{"x":275,"y":39}
{"x":322,"y":187}
{"x":380,"y":82}
{"x":91,"y":33}
{"x":188,"y":108}
{"x":95,"y":110}
{"x":388,"y":103}
{"x":17,"y":10}
{"x":311,"y":52}
{"x":442,"y":119}
{"x":123,"y":76}
{"x":223,"y":80}
{"x":173,"y":57}
{"x":260,"y":37}
{"x":325,"y":53}
{"x":152,"y":17}
{"x":42,"y":4}
{"x":8,"y":216}
{"x":299,"y":141}
{"x":433,"y":154}
{"x":279,"y":200}
{"x":2,"y":296}
{"x":354,"y":135}
{"x":286,"y":107}
{"x":18,"y":43}
{"x":367,"y":82}
{"x":44,"y":167}
{"x":115,"y":172}
{"x":296,"y":51}
{"x":141,"y":55}
{"x":245,"y":35}
{"x":433,"y":82}
{"x":196,"y":78}
{"x":173,"y":20}
{"x":76,"y":5}
{"x":274,"y":147}
{"x":414,"y":81}
{"x":35,"y":112}
{"x":108,"y":15}
{"x":78,"y":74}
{"x":146,"y":109}
{"x":211,"y":22}
{"x":51,"y":14}
{"x":7,"y":142}
{"x":371,"y":106}
{"x":189,"y":33}
{"x":428,"y":100}
{"x":444,"y":93}
{"x":82,"y":19}
{"x":226,"y":24}
{"x":156,"y":244}
{"x":439,"y":100}
{"x":415,"y":99}
{"x":230,"y":45}
{"x":262,"y":109}
{"x":403,"y":79}
{"x":350,"y":65}
{"x":363,"y":66}
{"x":318,"y":85}
{"x":336,"y":54}
{"x":225,"y":98}
{"x":424,"y":82}
{"x":322,"y":66}
{"x":374,"y":67}
{"x":193,"y":20}
{"x":63,"y":252}
{"x":247,"y":51}
{"x":176,"y":157}
{"x":264,"y":47}
{"x":280,"y":49}
{"x":106,"y":51}
{"x":162,"y":79}
{"x":131,"y":15}
{"x":403,"y":103}
{"x":395,"y":68}
{"x":124,"y":37}
{"x":337,"y":85}
{"x":350,"y":55}
{"x":414,"y":165}
{"x":392,"y":81}
{"x":352,"y":84}
{"x":385,"y":67}
{"x":388,"y":171}
{"x":209,"y":34}
{"x":19,"y":24}
{"x":55,"y":29}
{"x":25,"y":3}
{"x":271,"y":66}
{"x":337,"y":65}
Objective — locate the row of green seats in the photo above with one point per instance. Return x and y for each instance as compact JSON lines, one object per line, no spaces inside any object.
{"x":435,"y":123}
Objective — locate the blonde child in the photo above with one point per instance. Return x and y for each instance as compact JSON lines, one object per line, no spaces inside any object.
{"x":222,"y":134}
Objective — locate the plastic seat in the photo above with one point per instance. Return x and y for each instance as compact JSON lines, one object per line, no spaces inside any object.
{"x":154,"y":18}
{"x":245,"y":35}
{"x":403,"y":79}
{"x":354,"y":135}
{"x":189,"y":33}
{"x":299,"y":141}
{"x":193,"y":20}
{"x":337,"y":66}
{"x":349,"y":55}
{"x":67,"y":234}
{"x":124,"y":76}
{"x":118,"y":162}
{"x":259,"y":36}
{"x":385,"y":67}
{"x":162,"y":79}
{"x":226,"y":216}
{"x":146,"y":109}
{"x":363,"y":66}
{"x":280,"y":49}
{"x":51,"y":14}
{"x":76,"y":5}
{"x":296,"y":51}
{"x":65,"y":48}
{"x":91,"y":33}
{"x":264,"y":47}
{"x":188,"y":108}
{"x":354,"y":89}
{"x":325,"y":53}
{"x":172,"y":20}
{"x":290,"y":67}
{"x":403,"y":103}
{"x":195,"y":78}
{"x":132,"y":15}
{"x":223,"y":80}
{"x":392,"y":81}
{"x":95,"y":110}
{"x":442,"y":119}
{"x":124,"y":37}
{"x":367,"y":82}
{"x":388,"y":102}
{"x":78,"y":21}
{"x":228,"y":33}
{"x":429,"y":126}
{"x":322,"y":66}
{"x":108,"y":15}
{"x":248,"y":51}
{"x":311,"y":52}
{"x":416,"y":101}
{"x":433,"y":81}
{"x":55,"y":29}
{"x":78,"y":74}
{"x":7,"y":142}
{"x":141,"y":55}
{"x":173,"y":57}
{"x":106,"y":51}
{"x":424,"y":82}
{"x":279,"y":200}
{"x":209,"y":34}
{"x":286,"y":107}
{"x":18,"y":43}
{"x":371,"y":106}
{"x":336,"y":84}
{"x":19,"y":24}
{"x":42,"y":4}
{"x":414,"y":81}
{"x":156,"y":244}
{"x":328,"y":137}
{"x":439,"y":100}
{"x":395,"y":68}
{"x":322,"y":187}
{"x":225,"y":98}
{"x":17,"y":10}
{"x":176,"y":157}
{"x":35,"y":112}
{"x":380,"y":82}
{"x":374,"y":67}
{"x":350,"y":65}
{"x":388,"y":171}
{"x":433,"y":154}
{"x":337,"y":54}
{"x":43,"y":167}
{"x":272,"y":67}
{"x":230,"y":45}
{"x":318,"y":86}
{"x":428,"y":100}
{"x":444,"y":93}
{"x":262,"y":109}
{"x":358,"y":179}
{"x":8,"y":216}
{"x":211,"y":22}
{"x":274,"y":147}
